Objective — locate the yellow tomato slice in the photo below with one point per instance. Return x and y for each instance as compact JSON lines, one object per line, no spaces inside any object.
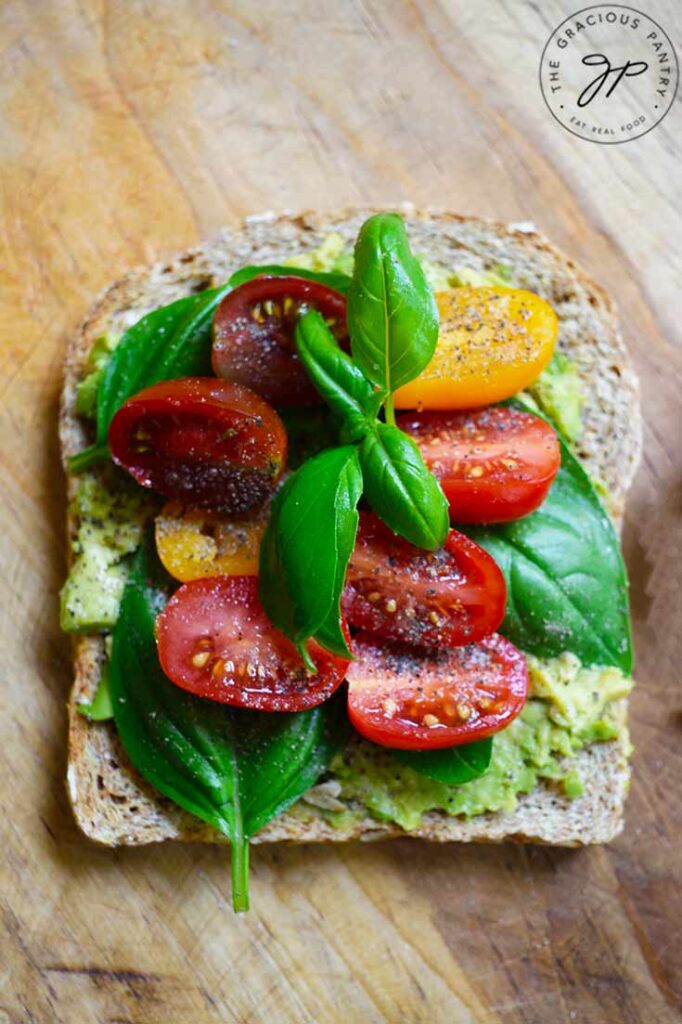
{"x":193,"y":543}
{"x":492,"y":343}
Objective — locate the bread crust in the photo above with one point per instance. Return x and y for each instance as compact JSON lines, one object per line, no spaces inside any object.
{"x":111,"y":803}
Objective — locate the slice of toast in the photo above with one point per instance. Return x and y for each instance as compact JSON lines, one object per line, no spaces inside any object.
{"x":111,"y":803}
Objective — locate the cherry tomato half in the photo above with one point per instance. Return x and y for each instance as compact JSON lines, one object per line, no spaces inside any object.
{"x":452,"y":596}
{"x":215,"y":640}
{"x":195,"y":542}
{"x":253,"y":335}
{"x":492,"y":342}
{"x":208,"y":442}
{"x":494,"y":465}
{"x":426,"y":699}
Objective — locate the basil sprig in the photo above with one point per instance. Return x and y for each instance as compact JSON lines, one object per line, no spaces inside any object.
{"x":393,"y":324}
{"x":453,"y":765}
{"x":232,"y":768}
{"x":567,"y":586}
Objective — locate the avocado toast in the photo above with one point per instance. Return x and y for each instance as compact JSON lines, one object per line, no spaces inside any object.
{"x":574,"y":796}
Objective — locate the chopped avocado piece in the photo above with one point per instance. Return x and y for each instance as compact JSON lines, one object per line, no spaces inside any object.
{"x":111,"y":513}
{"x":558,"y":392}
{"x":333,"y":256}
{"x":569,"y":706}
{"x":572,"y":785}
{"x":438,"y":277}
{"x":497,"y":276}
{"x":100,"y":708}
{"x":86,"y":390}
{"x":330,"y":256}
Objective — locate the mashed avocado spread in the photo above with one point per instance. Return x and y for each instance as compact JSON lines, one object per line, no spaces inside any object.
{"x":569,"y":705}
{"x":111,"y":513}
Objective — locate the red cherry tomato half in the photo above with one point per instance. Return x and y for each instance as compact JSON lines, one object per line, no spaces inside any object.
{"x":452,"y":596}
{"x":215,"y":640}
{"x":426,"y":699}
{"x":494,"y":464}
{"x":253,"y":335}
{"x":208,"y":442}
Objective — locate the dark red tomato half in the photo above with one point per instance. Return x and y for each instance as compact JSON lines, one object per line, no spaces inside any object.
{"x":494,"y":464}
{"x":208,"y":442}
{"x":426,"y":699}
{"x":253,"y":335}
{"x":452,"y":596}
{"x":215,"y":640}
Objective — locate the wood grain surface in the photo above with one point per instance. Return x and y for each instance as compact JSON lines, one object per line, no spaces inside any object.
{"x":130,"y":129}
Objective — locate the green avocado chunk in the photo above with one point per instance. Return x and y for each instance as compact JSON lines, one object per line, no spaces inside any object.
{"x":569,"y":707}
{"x":558,"y":392}
{"x":111,"y":513}
{"x":87,"y":389}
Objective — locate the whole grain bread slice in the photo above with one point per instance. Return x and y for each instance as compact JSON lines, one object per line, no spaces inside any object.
{"x":111,"y":803}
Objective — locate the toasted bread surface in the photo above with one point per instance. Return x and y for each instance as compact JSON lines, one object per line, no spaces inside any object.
{"x":111,"y":803}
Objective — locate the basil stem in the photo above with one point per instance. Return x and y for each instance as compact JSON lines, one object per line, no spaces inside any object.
{"x":341,"y":383}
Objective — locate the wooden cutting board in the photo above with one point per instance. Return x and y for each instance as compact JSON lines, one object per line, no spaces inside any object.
{"x":132,"y":129}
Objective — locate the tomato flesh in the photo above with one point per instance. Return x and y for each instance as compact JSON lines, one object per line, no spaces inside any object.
{"x":427,"y":699}
{"x":253,"y":335}
{"x":492,"y":343}
{"x":494,"y":465}
{"x":452,"y":596}
{"x":215,"y":640}
{"x":194,"y":542}
{"x":208,"y":442}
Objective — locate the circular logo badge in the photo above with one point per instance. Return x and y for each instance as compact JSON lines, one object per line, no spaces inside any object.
{"x":609,"y":74}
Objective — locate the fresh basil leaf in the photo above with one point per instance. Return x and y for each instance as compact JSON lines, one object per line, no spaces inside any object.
{"x":567,"y":587}
{"x":341,"y":383}
{"x":307,"y":545}
{"x":392,"y":314}
{"x":232,"y":768}
{"x":339,"y":282}
{"x":309,"y":431}
{"x":400,"y":488}
{"x":453,"y":765}
{"x":283,"y":755}
{"x":100,"y":708}
{"x":174,"y":341}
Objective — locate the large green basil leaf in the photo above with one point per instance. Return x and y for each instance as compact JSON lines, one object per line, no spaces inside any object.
{"x":392,"y":314}
{"x":306,"y":548}
{"x":341,"y":383}
{"x":232,"y":768}
{"x":174,"y":341}
{"x":453,"y":765}
{"x":566,"y":581}
{"x":339,"y":282}
{"x":400,"y":488}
